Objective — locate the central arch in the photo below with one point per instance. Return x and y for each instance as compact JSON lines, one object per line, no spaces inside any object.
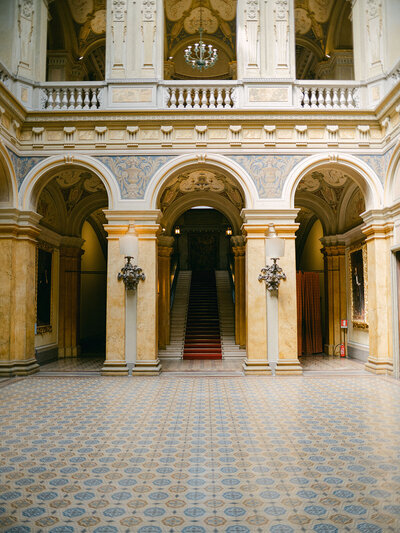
{"x":204,"y":197}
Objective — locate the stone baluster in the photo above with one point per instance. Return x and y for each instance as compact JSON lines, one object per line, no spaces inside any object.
{"x":50,"y":102}
{"x":79,"y":100}
{"x":71,"y":99}
{"x":227,"y":100}
{"x":328,"y":98}
{"x":306,"y":97}
{"x":189,"y":99}
{"x":181,"y":99}
{"x":321,"y":99}
{"x":86,"y":100}
{"x":196,"y":99}
{"x":343,"y":98}
{"x":335,"y":99}
{"x":173,"y":98}
{"x":93,"y":100}
{"x":219,"y":99}
{"x":204,"y":101}
{"x":212,"y":99}
{"x":313,"y":99}
{"x":350,"y":100}
{"x":64,"y":100}
{"x":57,"y":100}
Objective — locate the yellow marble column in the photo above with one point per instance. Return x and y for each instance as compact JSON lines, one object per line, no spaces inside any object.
{"x":69,"y":301}
{"x":335,"y":297}
{"x":378,"y":238}
{"x":256,"y":312}
{"x":18,"y":233}
{"x":147,"y":361}
{"x":288,"y":362}
{"x":115,"y":363}
{"x":239,"y":251}
{"x":164,"y":286}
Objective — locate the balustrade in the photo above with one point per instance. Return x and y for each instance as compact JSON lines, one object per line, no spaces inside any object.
{"x":62,"y":98}
{"x":200,"y":97}
{"x":329,"y":97}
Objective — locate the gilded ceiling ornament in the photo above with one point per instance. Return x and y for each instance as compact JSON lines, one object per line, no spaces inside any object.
{"x":209,"y":22}
{"x":174,"y":9}
{"x":226,"y":9}
{"x":98,"y":22}
{"x":202,"y":180}
{"x":80,"y":9}
{"x":302,"y":21}
{"x":321,"y":9}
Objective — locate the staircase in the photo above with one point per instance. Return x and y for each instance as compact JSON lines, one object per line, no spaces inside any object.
{"x":178,"y":317}
{"x":227,"y":317}
{"x":202,"y":340}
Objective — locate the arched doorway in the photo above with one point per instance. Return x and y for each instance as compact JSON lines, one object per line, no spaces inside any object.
{"x":331,"y":266}
{"x":71,"y":268}
{"x":201,"y":219}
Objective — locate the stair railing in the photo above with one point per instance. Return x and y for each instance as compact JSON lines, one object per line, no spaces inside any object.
{"x":175,"y":268}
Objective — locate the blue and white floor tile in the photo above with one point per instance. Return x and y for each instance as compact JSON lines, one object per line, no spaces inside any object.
{"x":197,"y":455}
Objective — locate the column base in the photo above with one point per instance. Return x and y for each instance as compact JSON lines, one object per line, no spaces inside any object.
{"x":114,"y":368}
{"x":289,"y":367}
{"x":378,"y":367}
{"x":329,"y":349}
{"x":256,"y":367}
{"x":18,"y":368}
{"x":147,"y":368}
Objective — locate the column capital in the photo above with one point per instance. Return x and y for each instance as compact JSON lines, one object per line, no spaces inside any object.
{"x":333,"y":249}
{"x":255,"y":231}
{"x":238,"y":240}
{"x":164,"y":251}
{"x":239,"y":251}
{"x":114,"y":231}
{"x":378,"y":229}
{"x":165,"y":241}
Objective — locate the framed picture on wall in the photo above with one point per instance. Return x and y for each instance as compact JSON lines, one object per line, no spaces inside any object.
{"x":358,"y":276}
{"x":44,"y":263}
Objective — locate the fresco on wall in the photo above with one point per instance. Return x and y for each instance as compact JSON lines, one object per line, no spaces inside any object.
{"x":268,"y":172}
{"x":133,"y":173}
{"x":378,"y":163}
{"x":23,"y":165}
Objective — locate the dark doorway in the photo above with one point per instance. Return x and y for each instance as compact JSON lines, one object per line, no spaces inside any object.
{"x":204,"y":251}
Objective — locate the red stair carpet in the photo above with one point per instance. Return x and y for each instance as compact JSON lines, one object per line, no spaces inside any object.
{"x":202,"y":340}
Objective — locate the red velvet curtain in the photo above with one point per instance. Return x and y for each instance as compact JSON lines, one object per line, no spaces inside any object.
{"x":309,"y":334}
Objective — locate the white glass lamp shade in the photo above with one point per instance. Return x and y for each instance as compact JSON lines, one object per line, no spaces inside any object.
{"x":128,"y":244}
{"x":274,"y":246}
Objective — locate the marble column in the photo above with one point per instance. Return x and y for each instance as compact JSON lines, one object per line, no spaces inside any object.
{"x":18,"y":233}
{"x":164,"y":286}
{"x":69,"y":299}
{"x":256,"y":339}
{"x":335,"y":295}
{"x":288,"y":362}
{"x":115,"y":363}
{"x":147,"y":361}
{"x":378,"y":239}
{"x":239,"y":251}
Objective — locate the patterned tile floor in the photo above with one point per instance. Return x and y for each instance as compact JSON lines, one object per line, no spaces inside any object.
{"x":309,"y":362}
{"x":196,"y":455}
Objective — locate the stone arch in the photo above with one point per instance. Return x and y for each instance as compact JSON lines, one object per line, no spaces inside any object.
{"x":212,"y":200}
{"x":392,"y":178}
{"x":8,"y":180}
{"x":206,"y":162}
{"x":37,"y":179}
{"x":360,"y":172}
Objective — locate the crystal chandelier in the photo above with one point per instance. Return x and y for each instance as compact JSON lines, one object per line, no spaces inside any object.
{"x":201,"y":55}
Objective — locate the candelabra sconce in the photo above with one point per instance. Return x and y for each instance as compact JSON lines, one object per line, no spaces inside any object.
{"x":274,"y":248}
{"x":130,"y":274}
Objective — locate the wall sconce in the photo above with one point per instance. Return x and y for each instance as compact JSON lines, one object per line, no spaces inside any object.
{"x":274,"y":248}
{"x":130,"y":274}
{"x":177,"y":230}
{"x":228,"y":231}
